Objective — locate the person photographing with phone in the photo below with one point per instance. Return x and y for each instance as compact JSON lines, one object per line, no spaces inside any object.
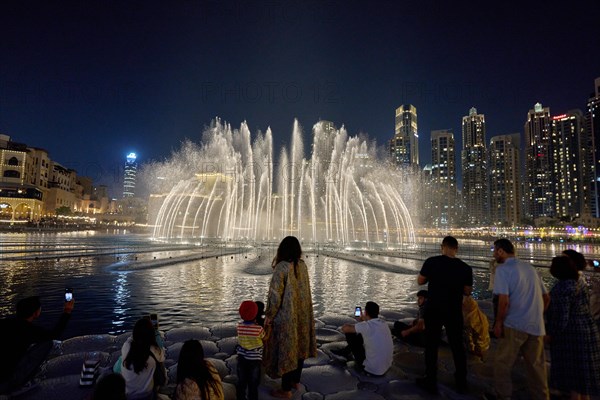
{"x":370,"y":341}
{"x":27,"y":344}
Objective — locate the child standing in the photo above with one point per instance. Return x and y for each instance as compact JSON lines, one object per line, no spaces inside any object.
{"x":249,"y":350}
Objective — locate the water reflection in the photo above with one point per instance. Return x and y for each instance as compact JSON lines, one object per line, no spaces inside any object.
{"x":111,"y":294}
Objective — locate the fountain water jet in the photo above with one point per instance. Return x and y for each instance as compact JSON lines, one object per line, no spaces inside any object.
{"x":224,"y":190}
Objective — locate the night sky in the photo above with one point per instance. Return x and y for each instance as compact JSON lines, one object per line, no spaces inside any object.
{"x":90,"y":81}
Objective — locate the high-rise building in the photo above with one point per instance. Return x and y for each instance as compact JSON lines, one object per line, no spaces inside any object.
{"x":539,"y":197}
{"x":404,"y":147}
{"x":505,"y":180}
{"x":475,"y":168}
{"x":592,"y":127}
{"x":443,"y":178}
{"x":129,"y":177}
{"x":567,"y":164}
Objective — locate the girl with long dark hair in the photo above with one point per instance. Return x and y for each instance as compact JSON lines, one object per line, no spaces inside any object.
{"x":141,"y":353}
{"x":197,"y":378}
{"x":289,"y":318}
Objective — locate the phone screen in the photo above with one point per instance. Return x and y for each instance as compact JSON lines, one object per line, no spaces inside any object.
{"x":68,"y":294}
{"x":357,"y":311}
{"x":596,"y":264}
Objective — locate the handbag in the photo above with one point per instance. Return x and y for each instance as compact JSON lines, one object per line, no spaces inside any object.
{"x":160,"y":372}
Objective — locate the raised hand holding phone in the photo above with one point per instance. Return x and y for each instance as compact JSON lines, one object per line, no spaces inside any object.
{"x":69,"y":301}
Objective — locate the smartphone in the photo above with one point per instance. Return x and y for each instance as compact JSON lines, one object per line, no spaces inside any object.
{"x":596,"y":263}
{"x":154,"y":320}
{"x":357,"y":311}
{"x":68,"y":294}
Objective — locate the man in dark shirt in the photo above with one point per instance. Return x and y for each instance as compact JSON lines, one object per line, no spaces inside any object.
{"x":27,"y":345}
{"x":448,"y":279}
{"x":414,"y":334}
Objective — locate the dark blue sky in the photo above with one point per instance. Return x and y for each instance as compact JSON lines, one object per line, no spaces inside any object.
{"x":91,"y":81}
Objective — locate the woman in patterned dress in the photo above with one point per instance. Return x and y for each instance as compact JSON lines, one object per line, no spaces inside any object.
{"x":289,"y":321}
{"x":574,"y":338}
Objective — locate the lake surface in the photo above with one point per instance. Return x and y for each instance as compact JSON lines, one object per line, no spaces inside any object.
{"x":118,"y":277}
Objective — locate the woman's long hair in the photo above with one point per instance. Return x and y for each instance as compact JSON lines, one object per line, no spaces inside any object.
{"x":289,"y":250}
{"x":192,"y":365}
{"x":143,"y":339}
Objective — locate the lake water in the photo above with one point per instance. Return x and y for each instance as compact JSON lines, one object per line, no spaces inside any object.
{"x":118,"y":277}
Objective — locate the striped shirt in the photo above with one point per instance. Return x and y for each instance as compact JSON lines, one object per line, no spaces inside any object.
{"x":250,"y":337}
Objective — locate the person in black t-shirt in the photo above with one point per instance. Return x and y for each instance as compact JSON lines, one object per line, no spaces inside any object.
{"x":448,"y":279}
{"x":413,"y":334}
{"x":27,"y":345}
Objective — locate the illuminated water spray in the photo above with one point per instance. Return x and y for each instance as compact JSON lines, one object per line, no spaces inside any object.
{"x":233,"y":189}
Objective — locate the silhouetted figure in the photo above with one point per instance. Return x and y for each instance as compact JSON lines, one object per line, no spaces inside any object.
{"x":26,"y":344}
{"x":573,"y":335}
{"x":110,"y":387}
{"x":414,"y":334}
{"x":448,"y":279}
{"x":197,"y":378}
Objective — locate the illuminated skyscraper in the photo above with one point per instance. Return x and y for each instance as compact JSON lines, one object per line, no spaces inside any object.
{"x":443,"y":178}
{"x":129,"y":177}
{"x":592,"y":127}
{"x":568,"y":165}
{"x":505,"y":180}
{"x":404,"y":147}
{"x":475,"y":168}
{"x":539,"y":197}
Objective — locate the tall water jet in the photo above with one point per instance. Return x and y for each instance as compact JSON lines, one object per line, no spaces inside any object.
{"x":229,"y":188}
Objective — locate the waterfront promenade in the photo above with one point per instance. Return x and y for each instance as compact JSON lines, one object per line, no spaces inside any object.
{"x":326,"y":377}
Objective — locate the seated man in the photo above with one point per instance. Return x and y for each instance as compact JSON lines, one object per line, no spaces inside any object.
{"x":27,"y":345}
{"x":414,"y":334}
{"x":370,"y":341}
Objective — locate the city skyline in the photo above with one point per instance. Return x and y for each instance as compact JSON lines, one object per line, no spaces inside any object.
{"x":118,"y":78}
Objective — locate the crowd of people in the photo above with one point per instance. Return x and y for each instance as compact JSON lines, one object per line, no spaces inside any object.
{"x":278,"y":338}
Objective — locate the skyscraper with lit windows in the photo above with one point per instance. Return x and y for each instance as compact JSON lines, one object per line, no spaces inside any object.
{"x":129,"y":176}
{"x":505,"y":180}
{"x":404,"y":146}
{"x":443,"y":178}
{"x":568,"y":165}
{"x":539,"y":195}
{"x":475,"y":168}
{"x":592,"y":127}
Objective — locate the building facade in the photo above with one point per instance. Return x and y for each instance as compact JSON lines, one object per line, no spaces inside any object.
{"x":539,"y":196}
{"x":568,"y":164}
{"x":404,"y":146}
{"x":130,"y":175}
{"x":505,"y":180}
{"x":20,"y":200}
{"x":592,"y":127}
{"x":475,"y":168}
{"x":443,"y":179}
{"x":32,"y":186}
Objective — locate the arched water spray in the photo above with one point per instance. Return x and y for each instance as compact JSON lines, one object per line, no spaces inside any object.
{"x":230,"y":188}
